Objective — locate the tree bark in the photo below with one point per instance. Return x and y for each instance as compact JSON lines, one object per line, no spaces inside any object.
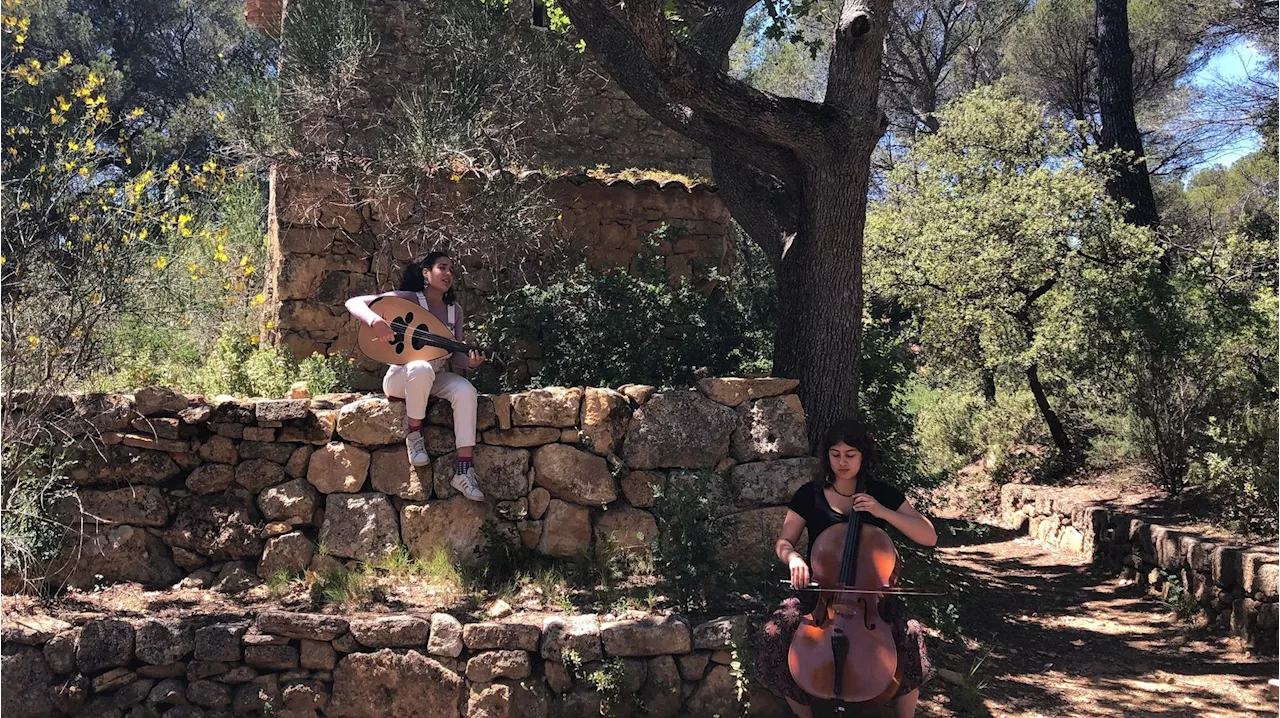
{"x":1059,"y":434}
{"x":793,"y":173}
{"x":1132,"y":183}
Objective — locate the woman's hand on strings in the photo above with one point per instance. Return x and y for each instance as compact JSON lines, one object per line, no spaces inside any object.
{"x":868,"y":504}
{"x":381,"y":330}
{"x":475,"y":359}
{"x":799,"y":571}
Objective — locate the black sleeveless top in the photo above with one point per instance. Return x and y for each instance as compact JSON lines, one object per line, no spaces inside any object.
{"x":810,"y":502}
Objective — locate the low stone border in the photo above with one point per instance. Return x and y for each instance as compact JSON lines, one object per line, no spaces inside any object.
{"x":302,"y":664}
{"x":1235,"y":587}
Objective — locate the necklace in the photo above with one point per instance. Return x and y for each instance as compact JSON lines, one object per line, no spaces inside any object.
{"x":838,"y":491}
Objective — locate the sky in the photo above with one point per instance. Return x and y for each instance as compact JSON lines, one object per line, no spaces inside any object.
{"x":1233,"y":61}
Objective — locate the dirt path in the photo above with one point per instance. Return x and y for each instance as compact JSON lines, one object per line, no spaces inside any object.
{"x":1052,"y":636}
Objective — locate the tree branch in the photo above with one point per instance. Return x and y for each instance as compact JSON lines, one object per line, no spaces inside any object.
{"x":680,"y":87}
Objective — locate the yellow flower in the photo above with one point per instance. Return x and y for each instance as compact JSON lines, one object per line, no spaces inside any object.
{"x":33,"y":342}
{"x":55,"y":118}
{"x":257,"y":300}
{"x":221,"y":116}
{"x":24,"y":206}
{"x":73,"y":145}
{"x":84,"y":171}
{"x":64,"y":59}
{"x":162,"y":262}
{"x":253,"y":340}
{"x":136,"y":113}
{"x":63,"y":103}
{"x":3,"y":259}
{"x":249,"y":270}
{"x":89,"y":146}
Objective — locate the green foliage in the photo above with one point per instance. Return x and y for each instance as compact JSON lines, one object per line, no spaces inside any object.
{"x":235,"y":365}
{"x":610,"y":327}
{"x":607,"y":681}
{"x":342,"y":587}
{"x":1000,"y":241}
{"x":35,"y":487}
{"x":687,"y":549}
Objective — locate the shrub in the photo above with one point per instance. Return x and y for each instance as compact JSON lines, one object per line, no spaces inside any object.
{"x":35,"y":485}
{"x":609,"y":327}
{"x":686,"y":551}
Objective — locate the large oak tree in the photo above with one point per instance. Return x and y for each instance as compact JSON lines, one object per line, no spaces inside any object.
{"x":794,"y":173}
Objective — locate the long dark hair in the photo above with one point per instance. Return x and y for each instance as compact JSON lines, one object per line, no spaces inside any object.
{"x":414,"y":282}
{"x":856,"y":435}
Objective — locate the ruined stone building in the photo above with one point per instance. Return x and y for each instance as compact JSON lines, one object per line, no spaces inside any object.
{"x":331,"y":237}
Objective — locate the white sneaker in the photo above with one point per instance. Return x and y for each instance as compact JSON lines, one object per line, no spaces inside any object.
{"x":467,"y":484}
{"x":417,"y":449}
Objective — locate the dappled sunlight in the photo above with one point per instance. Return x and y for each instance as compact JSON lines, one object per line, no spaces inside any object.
{"x":1063,"y":638}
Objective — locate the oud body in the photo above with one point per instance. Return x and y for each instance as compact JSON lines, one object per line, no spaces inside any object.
{"x":419,"y":334}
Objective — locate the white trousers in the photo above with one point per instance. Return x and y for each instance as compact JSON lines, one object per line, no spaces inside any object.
{"x":418,"y":380}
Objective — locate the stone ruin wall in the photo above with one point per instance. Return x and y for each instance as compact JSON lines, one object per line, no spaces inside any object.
{"x":221,"y":494}
{"x":329,"y":241}
{"x":1235,"y":587}
{"x":591,"y":123}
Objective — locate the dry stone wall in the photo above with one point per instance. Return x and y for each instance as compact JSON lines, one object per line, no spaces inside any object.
{"x":291,"y":665}
{"x":223,"y":493}
{"x":1235,"y":587}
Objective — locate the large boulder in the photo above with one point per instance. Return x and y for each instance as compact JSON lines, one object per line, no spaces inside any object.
{"x":522,"y":436}
{"x":257,"y":474}
{"x":573,"y":475}
{"x":625,"y":530}
{"x":220,"y":527}
{"x":26,"y":678}
{"x":732,"y":391}
{"x":566,"y":530}
{"x":134,"y":505}
{"x":391,"y":631}
{"x":391,"y":473}
{"x":293,"y":502}
{"x":605,"y":416}
{"x":120,"y":464}
{"x":115,"y":554}
{"x":715,"y":695}
{"x":771,"y":428}
{"x":372,"y":421}
{"x":104,"y":643}
{"x":359,"y":526}
{"x":105,"y":412}
{"x":750,"y":535}
{"x":162,"y":642}
{"x":453,"y":525}
{"x":317,"y":428}
{"x":648,"y":636}
{"x":679,"y":429}
{"x":554,"y":406}
{"x":503,"y":472}
{"x":769,"y":483}
{"x":338,"y":467}
{"x":211,"y":478}
{"x":291,"y":553}
{"x":372,"y":685}
{"x":158,"y":401}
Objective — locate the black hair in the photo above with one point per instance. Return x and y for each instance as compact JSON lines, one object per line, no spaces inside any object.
{"x":414,"y":282}
{"x":857,"y":436}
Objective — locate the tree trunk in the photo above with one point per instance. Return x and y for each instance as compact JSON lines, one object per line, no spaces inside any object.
{"x":989,"y":386}
{"x":819,"y":320}
{"x":1059,"y":434}
{"x":1132,"y":183}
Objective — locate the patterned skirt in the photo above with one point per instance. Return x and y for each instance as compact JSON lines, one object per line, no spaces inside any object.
{"x":771,"y":660}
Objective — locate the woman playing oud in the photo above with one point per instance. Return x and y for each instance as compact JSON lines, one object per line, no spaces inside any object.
{"x":430,"y":284}
{"x":847,"y":451}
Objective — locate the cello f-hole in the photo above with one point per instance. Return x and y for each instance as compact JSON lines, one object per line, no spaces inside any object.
{"x":866,"y":615}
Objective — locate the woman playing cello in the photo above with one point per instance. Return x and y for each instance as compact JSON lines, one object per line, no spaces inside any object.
{"x":847,"y":451}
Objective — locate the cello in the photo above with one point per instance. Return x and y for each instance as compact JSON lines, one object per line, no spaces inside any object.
{"x":844,"y":651}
